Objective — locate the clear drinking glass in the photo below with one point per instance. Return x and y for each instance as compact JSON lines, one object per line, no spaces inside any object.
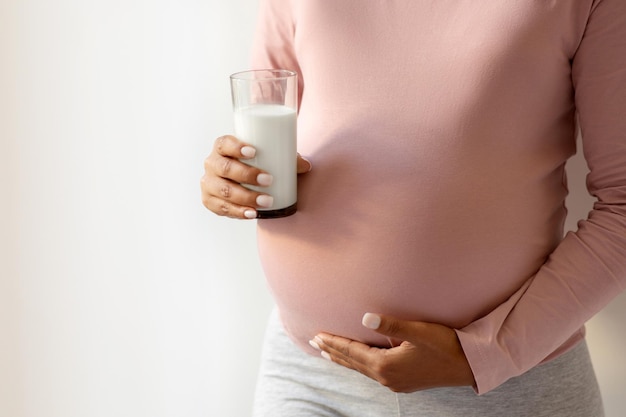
{"x":265,"y":106}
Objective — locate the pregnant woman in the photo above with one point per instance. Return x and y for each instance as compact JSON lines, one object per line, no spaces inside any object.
{"x":426,"y":272}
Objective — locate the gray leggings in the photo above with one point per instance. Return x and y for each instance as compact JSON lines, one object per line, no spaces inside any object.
{"x":294,"y":384}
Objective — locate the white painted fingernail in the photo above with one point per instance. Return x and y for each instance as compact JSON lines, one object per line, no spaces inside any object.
{"x":326,"y":356}
{"x":314,"y":345}
{"x":250,"y":214}
{"x":265,"y":200}
{"x":371,"y":321}
{"x":264,"y":179}
{"x":248,"y":151}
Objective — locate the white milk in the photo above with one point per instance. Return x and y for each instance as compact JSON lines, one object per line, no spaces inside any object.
{"x":271,"y":129}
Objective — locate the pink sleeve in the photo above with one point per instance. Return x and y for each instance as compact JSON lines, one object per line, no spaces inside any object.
{"x":274,"y":41}
{"x":588,"y":269}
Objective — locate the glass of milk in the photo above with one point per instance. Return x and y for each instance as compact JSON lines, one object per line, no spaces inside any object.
{"x":265,"y":105}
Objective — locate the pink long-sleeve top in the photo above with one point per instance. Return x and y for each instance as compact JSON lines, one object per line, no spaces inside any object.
{"x":438,"y":132}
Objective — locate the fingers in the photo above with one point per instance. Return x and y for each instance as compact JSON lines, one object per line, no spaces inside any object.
{"x":346,"y":352}
{"x":222,"y":192}
{"x":234,"y":170}
{"x":227,"y":209}
{"x":225,"y":171}
{"x":378,"y":364}
{"x":230,"y":199}
{"x":230,"y":146}
{"x":392,"y":327}
{"x":224,"y":161}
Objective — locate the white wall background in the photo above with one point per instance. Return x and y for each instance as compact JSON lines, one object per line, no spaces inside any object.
{"x":120,"y":295}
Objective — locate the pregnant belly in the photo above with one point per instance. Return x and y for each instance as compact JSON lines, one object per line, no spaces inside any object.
{"x":324,"y":275}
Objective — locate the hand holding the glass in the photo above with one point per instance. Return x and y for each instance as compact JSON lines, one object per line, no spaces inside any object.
{"x":225,"y":169}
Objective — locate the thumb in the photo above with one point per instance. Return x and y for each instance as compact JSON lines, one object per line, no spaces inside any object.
{"x":389,"y":326}
{"x":304,"y":165}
